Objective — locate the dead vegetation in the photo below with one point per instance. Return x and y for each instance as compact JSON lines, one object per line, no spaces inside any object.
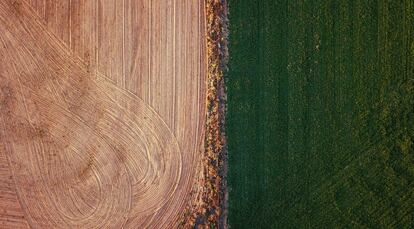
{"x":209,"y":208}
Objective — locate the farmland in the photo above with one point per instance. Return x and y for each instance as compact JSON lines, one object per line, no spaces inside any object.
{"x":102,"y":112}
{"x":320,"y":121}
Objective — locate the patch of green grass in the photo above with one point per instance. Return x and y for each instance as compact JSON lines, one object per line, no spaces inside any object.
{"x":320,"y":121}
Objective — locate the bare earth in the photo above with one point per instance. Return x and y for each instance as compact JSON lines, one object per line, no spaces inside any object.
{"x":102,"y":108}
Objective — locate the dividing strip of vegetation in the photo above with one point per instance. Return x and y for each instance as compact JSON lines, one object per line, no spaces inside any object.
{"x":209,"y":207}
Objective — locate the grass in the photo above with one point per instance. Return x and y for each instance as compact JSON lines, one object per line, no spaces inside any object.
{"x":320,"y":120}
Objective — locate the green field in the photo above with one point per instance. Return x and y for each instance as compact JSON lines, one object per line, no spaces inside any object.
{"x":320,"y":120}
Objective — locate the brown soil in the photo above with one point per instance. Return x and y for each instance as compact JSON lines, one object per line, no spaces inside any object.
{"x":102,"y":112}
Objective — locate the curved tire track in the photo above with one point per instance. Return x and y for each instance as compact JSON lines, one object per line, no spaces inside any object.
{"x":83,"y":152}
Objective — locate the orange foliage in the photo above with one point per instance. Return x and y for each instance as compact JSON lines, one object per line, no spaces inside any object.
{"x":205,"y":212}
